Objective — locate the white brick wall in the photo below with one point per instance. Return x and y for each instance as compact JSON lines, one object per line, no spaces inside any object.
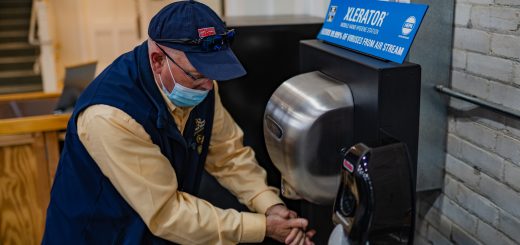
{"x":512,"y":175}
{"x":476,"y":1}
{"x":489,"y":235}
{"x":509,"y":148}
{"x":459,"y":58}
{"x":500,"y":194}
{"x":516,"y":78}
{"x":501,"y":19}
{"x":471,"y":201}
{"x":462,"y":14}
{"x":505,"y":45}
{"x":471,"y":39}
{"x":456,"y":214}
{"x":480,"y":199}
{"x":509,"y":225}
{"x":465,"y":173}
{"x":478,"y":158}
{"x":491,"y":67}
{"x":512,"y":127}
{"x":504,"y":94}
{"x":459,"y":236}
{"x":468,"y":129}
{"x":508,"y":2}
{"x":470,"y":84}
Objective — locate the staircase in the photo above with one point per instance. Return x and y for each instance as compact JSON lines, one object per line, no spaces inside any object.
{"x":17,"y":56}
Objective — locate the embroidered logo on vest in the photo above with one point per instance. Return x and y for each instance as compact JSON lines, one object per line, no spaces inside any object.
{"x":199,"y":133}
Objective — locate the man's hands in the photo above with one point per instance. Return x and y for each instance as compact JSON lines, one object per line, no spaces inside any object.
{"x":284,"y":225}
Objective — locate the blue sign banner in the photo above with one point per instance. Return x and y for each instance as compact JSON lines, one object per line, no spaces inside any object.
{"x":382,"y":29}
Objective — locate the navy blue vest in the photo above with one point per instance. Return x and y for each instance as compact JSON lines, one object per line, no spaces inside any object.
{"x":85,"y":208}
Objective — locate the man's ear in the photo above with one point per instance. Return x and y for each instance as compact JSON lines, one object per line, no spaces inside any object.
{"x":157,"y":62}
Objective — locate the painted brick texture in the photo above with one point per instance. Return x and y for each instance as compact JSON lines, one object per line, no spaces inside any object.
{"x":480,"y":199}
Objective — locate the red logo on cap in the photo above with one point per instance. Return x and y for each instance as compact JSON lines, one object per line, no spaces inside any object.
{"x":205,"y":32}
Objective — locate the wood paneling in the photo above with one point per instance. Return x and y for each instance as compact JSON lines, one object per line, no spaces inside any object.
{"x":17,"y":139}
{"x":29,"y":154}
{"x":24,"y":192}
{"x":52,"y":151}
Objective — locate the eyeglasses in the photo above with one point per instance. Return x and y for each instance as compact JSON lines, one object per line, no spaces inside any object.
{"x":173,"y":61}
{"x":209,"y":43}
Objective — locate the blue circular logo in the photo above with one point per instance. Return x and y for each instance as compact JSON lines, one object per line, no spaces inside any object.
{"x":408,"y":25}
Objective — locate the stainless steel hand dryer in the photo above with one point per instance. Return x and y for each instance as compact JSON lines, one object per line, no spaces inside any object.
{"x":307,"y":122}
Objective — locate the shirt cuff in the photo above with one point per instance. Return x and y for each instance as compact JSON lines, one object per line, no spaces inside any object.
{"x":265,"y":200}
{"x":253,"y":228}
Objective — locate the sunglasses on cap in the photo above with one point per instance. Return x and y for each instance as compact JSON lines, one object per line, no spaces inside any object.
{"x":209,"y":43}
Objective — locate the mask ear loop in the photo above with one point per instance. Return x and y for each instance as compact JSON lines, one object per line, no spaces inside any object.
{"x":170,"y":70}
{"x":162,"y":84}
{"x":160,"y":78}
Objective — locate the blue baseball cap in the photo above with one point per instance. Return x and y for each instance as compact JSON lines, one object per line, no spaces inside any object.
{"x":191,"y":20}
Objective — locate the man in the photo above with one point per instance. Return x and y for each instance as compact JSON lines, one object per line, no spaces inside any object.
{"x":140,"y":136}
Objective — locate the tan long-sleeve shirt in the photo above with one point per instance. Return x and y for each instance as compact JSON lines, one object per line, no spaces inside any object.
{"x":147,"y":181}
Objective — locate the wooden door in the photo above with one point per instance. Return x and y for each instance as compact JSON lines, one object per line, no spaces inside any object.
{"x":113,"y":29}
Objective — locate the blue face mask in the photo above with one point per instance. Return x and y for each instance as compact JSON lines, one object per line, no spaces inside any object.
{"x":182,"y":96}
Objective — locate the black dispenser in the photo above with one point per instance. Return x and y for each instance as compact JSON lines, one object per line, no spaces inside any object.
{"x":385,"y":112}
{"x":375,"y":200}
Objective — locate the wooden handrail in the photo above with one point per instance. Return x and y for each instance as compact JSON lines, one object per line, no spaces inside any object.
{"x":86,"y":63}
{"x":34,"y":124}
{"x":27,"y":96}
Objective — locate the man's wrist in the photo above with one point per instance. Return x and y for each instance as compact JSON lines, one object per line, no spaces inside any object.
{"x":265,"y":200}
{"x":253,"y":227}
{"x":270,"y":209}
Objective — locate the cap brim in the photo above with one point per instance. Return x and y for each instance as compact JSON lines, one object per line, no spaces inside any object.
{"x":220,"y":65}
